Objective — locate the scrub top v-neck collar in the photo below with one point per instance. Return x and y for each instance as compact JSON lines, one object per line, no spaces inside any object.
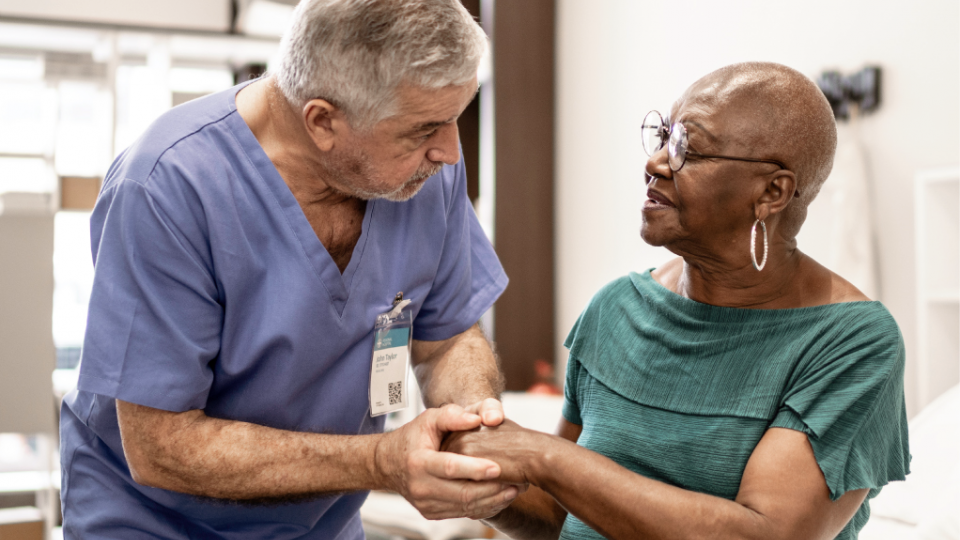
{"x":337,"y":285}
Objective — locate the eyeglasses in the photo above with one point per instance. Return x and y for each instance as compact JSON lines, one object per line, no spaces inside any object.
{"x":655,"y":134}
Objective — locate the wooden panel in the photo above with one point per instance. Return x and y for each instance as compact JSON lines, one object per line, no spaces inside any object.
{"x":523,"y":82}
{"x":469,"y":126}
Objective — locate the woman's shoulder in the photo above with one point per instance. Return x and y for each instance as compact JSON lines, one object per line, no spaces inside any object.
{"x":615,"y":291}
{"x":606,"y":309}
{"x":831,"y":287}
{"x":843,"y":291}
{"x":668,"y":273}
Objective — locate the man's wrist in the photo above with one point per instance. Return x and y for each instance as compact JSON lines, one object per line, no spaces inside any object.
{"x":377,"y":466}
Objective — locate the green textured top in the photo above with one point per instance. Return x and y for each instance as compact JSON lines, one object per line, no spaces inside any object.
{"x":682,"y":392}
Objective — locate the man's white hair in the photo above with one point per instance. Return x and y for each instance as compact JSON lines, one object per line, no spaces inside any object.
{"x":356,"y":53}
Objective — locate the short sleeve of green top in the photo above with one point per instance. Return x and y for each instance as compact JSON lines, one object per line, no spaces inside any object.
{"x":682,"y":392}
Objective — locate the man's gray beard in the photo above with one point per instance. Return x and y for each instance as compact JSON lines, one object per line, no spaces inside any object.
{"x":400,"y":194}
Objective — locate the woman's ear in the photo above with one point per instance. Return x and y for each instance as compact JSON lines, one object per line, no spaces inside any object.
{"x":323,"y":122}
{"x":779,"y":191}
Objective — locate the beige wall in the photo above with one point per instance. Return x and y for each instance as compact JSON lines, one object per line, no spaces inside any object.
{"x":27,"y":356}
{"x":617,"y":59}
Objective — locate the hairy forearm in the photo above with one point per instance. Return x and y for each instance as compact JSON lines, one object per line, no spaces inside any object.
{"x":193,"y":453}
{"x":462,"y":370}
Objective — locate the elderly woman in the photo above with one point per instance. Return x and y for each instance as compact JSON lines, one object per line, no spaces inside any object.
{"x":742,"y":390}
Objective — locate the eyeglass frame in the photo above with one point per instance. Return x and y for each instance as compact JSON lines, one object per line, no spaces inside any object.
{"x":688,"y":152}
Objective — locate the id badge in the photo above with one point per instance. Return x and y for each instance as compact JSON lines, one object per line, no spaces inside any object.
{"x":391,"y":357}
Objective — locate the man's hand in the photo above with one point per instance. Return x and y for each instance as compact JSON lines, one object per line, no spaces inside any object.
{"x":439,"y":484}
{"x":490,"y":411}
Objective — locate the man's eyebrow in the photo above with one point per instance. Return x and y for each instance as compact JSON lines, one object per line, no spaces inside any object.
{"x":427,"y":126}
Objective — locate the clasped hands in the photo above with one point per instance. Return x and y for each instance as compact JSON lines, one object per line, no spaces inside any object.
{"x":445,"y":466}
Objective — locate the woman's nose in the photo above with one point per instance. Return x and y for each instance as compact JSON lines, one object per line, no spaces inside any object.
{"x":658,"y":166}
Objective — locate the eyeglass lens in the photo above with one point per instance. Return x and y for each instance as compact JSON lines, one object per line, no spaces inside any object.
{"x":652,"y":133}
{"x":677,"y":147}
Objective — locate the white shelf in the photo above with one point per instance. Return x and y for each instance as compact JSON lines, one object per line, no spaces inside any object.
{"x":29,"y":481}
{"x":937,"y":218}
{"x":943,"y":297}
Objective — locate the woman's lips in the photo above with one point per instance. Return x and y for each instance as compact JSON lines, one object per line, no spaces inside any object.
{"x":656,"y":200}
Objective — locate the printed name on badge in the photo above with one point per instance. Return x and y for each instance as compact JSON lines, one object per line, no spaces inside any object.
{"x":391,"y":358}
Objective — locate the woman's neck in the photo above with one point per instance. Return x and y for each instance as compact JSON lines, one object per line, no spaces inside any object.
{"x":783,"y":282}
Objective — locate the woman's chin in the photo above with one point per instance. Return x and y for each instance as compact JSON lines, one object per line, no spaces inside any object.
{"x":652,"y":234}
{"x":659,"y":226}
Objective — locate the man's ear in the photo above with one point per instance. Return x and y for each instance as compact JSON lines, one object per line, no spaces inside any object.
{"x":780,"y":190}
{"x":324,"y":122}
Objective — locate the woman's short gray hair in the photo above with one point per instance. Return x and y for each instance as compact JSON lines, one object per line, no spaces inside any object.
{"x":356,"y":53}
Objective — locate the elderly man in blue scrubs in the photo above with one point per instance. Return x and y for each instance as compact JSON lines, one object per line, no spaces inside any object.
{"x":246,"y":247}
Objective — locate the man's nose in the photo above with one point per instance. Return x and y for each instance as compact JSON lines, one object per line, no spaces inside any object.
{"x":446,"y":145}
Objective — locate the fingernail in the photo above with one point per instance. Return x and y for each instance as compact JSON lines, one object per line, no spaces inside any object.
{"x":492,"y":473}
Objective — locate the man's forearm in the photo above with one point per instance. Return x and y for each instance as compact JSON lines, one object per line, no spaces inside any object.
{"x":196,"y":454}
{"x":461,"y":370}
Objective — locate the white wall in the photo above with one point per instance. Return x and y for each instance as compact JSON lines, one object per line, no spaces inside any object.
{"x":212,"y":15}
{"x":617,"y":59}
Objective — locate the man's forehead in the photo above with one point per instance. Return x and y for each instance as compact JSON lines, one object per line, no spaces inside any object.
{"x":427,"y":108}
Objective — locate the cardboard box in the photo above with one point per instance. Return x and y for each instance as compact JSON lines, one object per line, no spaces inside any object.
{"x":78,"y":193}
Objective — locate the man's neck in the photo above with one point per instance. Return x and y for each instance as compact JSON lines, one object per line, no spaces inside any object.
{"x":281,"y":133}
{"x":336,"y":218}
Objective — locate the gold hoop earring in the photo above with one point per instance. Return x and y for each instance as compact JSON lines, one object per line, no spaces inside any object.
{"x":753,"y":245}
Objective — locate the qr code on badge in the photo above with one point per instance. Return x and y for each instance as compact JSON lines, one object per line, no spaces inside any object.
{"x":395,"y":391}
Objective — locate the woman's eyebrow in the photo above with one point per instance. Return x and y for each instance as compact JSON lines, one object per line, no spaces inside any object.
{"x":701,"y":128}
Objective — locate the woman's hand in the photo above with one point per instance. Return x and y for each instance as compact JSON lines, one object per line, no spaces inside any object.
{"x":524,"y":457}
{"x":516,"y":449}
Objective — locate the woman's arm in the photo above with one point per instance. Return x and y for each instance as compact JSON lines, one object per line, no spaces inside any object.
{"x":782,"y":494}
{"x":535,"y":515}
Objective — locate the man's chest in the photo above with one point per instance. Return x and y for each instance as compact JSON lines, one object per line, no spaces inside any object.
{"x":338,"y":228}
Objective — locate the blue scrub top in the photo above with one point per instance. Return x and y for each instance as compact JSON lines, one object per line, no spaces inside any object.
{"x":213,"y":292}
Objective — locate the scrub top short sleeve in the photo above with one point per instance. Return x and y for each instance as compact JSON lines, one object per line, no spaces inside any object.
{"x":157,"y":314}
{"x":468,"y":275}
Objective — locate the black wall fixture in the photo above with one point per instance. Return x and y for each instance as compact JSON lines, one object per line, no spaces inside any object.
{"x":861,"y":89}
{"x":248,"y":71}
